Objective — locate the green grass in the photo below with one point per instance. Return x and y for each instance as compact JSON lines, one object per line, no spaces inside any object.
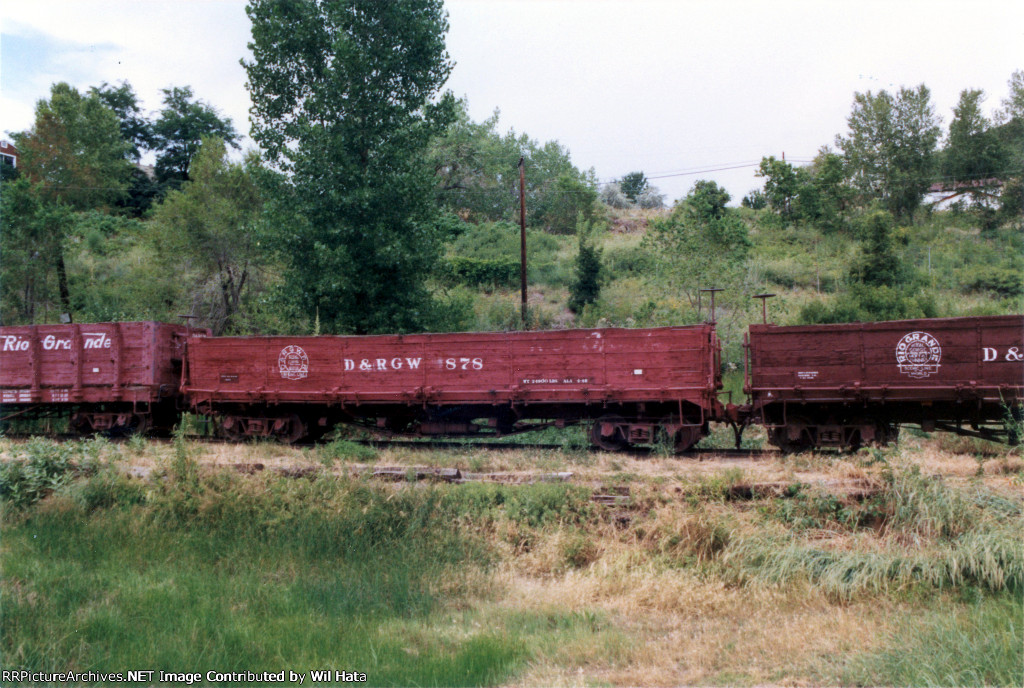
{"x":981,"y":644}
{"x":345,"y":450}
{"x":221,"y":572}
{"x":233,"y":575}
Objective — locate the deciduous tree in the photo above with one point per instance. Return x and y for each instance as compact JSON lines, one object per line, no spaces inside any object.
{"x":781,"y":185}
{"x":890,"y":147}
{"x":28,"y":268}
{"x":343,"y":95}
{"x":973,"y":152}
{"x":1010,"y":132}
{"x":208,"y":232}
{"x":702,"y":243}
{"x":478,"y":176}
{"x":179,"y":131}
{"x":633,"y":184}
{"x":135,"y":128}
{"x":1013,"y":103}
{"x":72,"y":159}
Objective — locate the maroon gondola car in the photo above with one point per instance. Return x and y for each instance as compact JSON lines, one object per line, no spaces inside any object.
{"x":847,"y":385}
{"x":104,"y":376}
{"x":640,"y":384}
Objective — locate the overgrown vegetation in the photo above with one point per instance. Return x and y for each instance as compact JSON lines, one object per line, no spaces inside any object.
{"x":423,"y":583}
{"x":849,"y":237}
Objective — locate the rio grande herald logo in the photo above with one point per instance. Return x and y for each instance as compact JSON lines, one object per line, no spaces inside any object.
{"x":293,"y":363}
{"x":918,"y":355}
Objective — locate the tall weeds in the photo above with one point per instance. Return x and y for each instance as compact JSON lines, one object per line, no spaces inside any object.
{"x":928,"y":534}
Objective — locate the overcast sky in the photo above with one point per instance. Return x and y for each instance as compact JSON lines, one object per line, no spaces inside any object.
{"x":680,"y":90}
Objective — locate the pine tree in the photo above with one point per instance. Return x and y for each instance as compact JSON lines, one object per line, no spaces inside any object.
{"x":586,"y":286}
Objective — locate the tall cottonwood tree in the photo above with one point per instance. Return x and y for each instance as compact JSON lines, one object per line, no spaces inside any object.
{"x":1013,"y":103}
{"x":342,"y":93}
{"x":135,"y":128}
{"x":890,"y":148}
{"x":1010,"y":130}
{"x":137,"y":132}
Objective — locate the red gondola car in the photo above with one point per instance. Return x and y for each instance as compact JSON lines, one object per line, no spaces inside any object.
{"x":642,"y":385}
{"x":852,"y":384}
{"x":105,"y":376}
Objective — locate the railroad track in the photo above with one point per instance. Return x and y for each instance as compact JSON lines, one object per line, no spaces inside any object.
{"x":699,"y":453}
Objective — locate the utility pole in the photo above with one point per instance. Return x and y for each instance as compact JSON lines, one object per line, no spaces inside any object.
{"x":522,"y":236}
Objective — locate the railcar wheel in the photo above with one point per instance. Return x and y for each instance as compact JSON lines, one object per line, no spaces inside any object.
{"x":231,"y":428}
{"x":289,"y":429}
{"x":670,"y":434}
{"x":606,"y":433}
{"x":686,"y":438}
{"x":883,"y":433}
{"x":80,"y":424}
{"x":137,"y":424}
{"x":803,"y":441}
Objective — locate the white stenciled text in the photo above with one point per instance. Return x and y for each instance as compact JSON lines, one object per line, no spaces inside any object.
{"x":368,"y":365}
{"x":463,"y":364}
{"x":90,"y":340}
{"x":1013,"y":354}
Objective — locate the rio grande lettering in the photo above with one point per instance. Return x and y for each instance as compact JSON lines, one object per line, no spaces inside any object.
{"x":90,"y":340}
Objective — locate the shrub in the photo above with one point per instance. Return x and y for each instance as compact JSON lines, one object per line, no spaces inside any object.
{"x":535,"y":506}
{"x":346,"y":450}
{"x":629,"y":260}
{"x":612,"y":196}
{"x":1005,"y":282}
{"x":481,"y":272}
{"x":864,"y":303}
{"x":549,"y":503}
{"x":579,"y":550}
{"x":107,"y":488}
{"x":651,"y":198}
{"x":38,"y":469}
{"x":500,"y":241}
